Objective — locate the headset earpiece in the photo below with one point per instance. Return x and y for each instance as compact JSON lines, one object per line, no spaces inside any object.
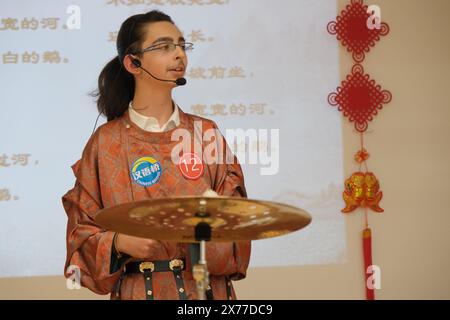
{"x":136,"y":62}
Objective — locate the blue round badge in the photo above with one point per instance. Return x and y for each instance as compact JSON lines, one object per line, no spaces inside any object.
{"x":146,"y":171}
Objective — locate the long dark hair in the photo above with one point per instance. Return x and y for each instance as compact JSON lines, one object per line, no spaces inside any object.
{"x":115,"y":83}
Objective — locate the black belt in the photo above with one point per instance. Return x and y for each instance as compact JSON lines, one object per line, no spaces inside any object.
{"x":147,"y":268}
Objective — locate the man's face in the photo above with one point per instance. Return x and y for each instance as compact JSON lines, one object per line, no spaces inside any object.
{"x":163,"y":62}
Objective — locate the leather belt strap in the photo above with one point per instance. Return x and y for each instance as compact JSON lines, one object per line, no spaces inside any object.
{"x":228,"y":287}
{"x":148,"y":267}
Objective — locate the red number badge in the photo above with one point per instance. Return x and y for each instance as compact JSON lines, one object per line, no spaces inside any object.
{"x":191,"y":166}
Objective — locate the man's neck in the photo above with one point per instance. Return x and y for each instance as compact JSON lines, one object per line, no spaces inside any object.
{"x":153,"y":103}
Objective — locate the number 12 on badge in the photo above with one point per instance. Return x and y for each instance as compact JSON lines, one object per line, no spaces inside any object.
{"x":191,"y":166}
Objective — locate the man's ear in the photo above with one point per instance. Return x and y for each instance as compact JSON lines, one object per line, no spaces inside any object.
{"x":129,"y":66}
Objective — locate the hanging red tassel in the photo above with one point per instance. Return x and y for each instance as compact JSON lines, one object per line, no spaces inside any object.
{"x":360,"y":99}
{"x":367,"y":250}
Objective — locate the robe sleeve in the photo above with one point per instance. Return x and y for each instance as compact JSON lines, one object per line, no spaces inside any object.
{"x":89,"y":248}
{"x":231,"y":259}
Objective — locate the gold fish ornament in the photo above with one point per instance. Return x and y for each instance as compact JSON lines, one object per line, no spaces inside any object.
{"x":362,"y":189}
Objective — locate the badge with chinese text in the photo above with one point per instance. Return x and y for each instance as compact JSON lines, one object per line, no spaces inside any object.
{"x":146,"y":171}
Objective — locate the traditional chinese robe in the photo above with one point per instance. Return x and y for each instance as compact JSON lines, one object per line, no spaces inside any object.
{"x":103,"y":180}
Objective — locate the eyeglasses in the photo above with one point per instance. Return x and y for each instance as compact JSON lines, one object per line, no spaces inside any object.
{"x":167,"y":47}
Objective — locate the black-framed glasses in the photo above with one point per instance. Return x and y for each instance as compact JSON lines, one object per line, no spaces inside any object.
{"x":167,"y":47}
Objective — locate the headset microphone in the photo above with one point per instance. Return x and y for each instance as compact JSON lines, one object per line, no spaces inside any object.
{"x":179,"y":81}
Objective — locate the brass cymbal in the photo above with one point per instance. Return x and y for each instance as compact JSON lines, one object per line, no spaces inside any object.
{"x":230,"y":218}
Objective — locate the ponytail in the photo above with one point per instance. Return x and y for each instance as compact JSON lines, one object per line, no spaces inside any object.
{"x":115,"y":90}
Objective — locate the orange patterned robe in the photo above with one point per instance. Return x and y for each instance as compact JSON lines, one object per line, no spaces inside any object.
{"x":103,"y":180}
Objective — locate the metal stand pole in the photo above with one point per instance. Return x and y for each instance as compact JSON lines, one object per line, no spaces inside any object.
{"x":198,"y":251}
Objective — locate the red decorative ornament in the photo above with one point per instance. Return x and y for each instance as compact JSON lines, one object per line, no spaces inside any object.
{"x":359,"y":98}
{"x":362,"y":155}
{"x":358,"y":29}
{"x":367,"y":252}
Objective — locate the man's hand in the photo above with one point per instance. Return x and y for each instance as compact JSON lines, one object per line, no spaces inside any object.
{"x":136,"y":247}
